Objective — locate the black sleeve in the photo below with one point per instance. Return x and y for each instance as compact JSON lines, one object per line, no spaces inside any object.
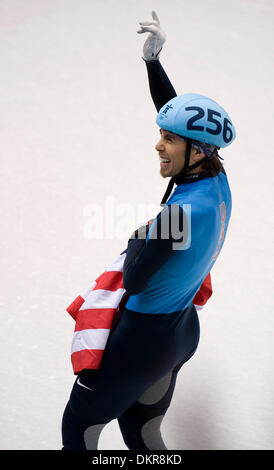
{"x":160,"y":86}
{"x":144,"y":259}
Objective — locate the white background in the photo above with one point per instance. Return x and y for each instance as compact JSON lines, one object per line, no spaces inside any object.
{"x":77,"y":126}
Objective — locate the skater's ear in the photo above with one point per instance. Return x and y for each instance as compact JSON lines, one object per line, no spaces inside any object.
{"x":196,"y":155}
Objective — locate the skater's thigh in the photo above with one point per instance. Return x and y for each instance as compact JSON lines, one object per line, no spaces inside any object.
{"x":133,"y":360}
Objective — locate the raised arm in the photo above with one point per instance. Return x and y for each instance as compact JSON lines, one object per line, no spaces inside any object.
{"x":161,"y":89}
{"x":160,"y":86}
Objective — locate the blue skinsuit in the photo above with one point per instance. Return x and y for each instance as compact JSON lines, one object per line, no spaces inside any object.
{"x":173,"y":286}
{"x":159,"y":327}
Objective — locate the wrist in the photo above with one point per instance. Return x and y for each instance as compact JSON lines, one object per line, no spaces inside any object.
{"x":156,"y":59}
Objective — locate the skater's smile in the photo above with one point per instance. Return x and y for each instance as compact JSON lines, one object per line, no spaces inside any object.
{"x":171,"y":149}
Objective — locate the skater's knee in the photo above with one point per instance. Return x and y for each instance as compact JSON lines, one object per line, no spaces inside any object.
{"x":145,"y":436}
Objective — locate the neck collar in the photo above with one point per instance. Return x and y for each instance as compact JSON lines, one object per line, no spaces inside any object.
{"x":187,"y":178}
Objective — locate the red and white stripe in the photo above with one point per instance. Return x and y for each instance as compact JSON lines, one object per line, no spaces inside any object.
{"x":94,"y":311}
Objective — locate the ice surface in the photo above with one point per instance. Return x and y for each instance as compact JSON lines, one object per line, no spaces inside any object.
{"x":77,"y":126}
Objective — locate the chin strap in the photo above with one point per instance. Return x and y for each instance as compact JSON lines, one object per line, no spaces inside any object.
{"x":168,"y":191}
{"x":183,"y":176}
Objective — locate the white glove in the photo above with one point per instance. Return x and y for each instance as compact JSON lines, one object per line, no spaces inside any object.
{"x":155,"y":40}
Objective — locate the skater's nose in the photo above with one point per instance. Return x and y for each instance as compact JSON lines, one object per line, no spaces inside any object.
{"x":160,"y":145}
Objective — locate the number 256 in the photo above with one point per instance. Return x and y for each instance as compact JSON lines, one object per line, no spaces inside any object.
{"x":211,"y":114}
